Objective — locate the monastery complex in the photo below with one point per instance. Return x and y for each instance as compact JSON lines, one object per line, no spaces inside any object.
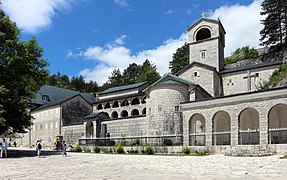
{"x":205,"y":105}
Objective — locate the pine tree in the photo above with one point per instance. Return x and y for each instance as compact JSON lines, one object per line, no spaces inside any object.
{"x":275,"y":29}
{"x":179,"y":59}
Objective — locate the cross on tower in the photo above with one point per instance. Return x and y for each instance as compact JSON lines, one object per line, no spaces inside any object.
{"x":248,"y":77}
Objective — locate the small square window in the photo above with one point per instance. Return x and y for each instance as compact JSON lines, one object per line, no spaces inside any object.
{"x":45,"y":98}
{"x":196,"y":74}
{"x":202,"y":54}
{"x":176,"y":108}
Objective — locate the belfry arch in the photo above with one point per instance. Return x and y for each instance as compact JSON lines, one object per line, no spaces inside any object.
{"x":203,"y":33}
{"x":248,"y":127}
{"x":197,"y":130}
{"x":277,"y":124}
{"x":221,"y":128}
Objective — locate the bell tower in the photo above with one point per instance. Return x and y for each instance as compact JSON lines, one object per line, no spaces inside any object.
{"x":206,"y":39}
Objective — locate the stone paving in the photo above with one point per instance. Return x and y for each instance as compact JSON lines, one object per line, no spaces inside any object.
{"x":112,"y":166}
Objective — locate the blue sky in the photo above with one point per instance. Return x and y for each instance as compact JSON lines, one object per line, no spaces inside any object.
{"x":93,"y":37}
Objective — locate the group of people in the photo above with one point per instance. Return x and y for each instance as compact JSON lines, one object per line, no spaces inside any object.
{"x":60,"y":145}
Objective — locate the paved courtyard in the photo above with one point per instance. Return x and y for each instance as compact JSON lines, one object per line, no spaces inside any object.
{"x":108,"y":166}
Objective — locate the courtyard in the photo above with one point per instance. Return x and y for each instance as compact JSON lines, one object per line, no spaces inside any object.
{"x":24,"y":165}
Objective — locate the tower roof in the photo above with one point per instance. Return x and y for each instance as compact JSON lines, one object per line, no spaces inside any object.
{"x":207,"y":20}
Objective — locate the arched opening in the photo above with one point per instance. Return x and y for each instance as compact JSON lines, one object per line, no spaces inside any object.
{"x":115,"y":104}
{"x":197,"y":130}
{"x":221,"y":128}
{"x":89,"y":129}
{"x":114,"y":115}
{"x":277,"y":124}
{"x":135,"y":112}
{"x":144,"y":100}
{"x":144,"y":111}
{"x":124,"y":113}
{"x":107,"y":114}
{"x":202,"y":34}
{"x":125,"y":103}
{"x":248,"y":127}
{"x":135,"y":101}
{"x":107,"y":105}
{"x":99,"y":107}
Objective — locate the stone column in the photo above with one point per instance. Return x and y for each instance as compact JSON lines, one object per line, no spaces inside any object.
{"x":234,"y":127}
{"x":84,"y":125}
{"x":263,"y":127}
{"x":208,"y":129}
{"x":185,"y":133}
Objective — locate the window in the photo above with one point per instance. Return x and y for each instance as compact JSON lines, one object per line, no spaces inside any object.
{"x":202,"y":54}
{"x":45,"y":98}
{"x":196,"y":74}
{"x":176,"y":108}
{"x":159,"y":108}
{"x":229,"y":82}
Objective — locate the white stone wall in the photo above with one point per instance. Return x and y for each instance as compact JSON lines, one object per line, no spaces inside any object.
{"x":128,"y":127}
{"x":116,"y":94}
{"x":162,"y":117}
{"x":45,"y":126}
{"x":233,"y":83}
{"x":206,"y":78}
{"x":261,"y":102}
{"x":72,"y":134}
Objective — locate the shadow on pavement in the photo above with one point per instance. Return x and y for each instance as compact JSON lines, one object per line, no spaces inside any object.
{"x":18,"y":153}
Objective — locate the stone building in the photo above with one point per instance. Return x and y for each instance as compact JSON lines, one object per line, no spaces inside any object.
{"x":206,"y":104}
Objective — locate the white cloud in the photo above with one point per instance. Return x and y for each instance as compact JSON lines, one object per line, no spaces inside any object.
{"x":33,"y":16}
{"x":241,"y":23}
{"x":170,"y":11}
{"x":115,"y":56}
{"x":122,"y":3}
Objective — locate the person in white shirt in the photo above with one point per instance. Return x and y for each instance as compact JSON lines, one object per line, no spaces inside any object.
{"x":4,"y":148}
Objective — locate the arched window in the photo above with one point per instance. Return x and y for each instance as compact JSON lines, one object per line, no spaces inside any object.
{"x":135,"y":112}
{"x":135,"y":101}
{"x":202,"y":34}
{"x":107,"y":105}
{"x":221,"y":128}
{"x":125,"y":103}
{"x":124,"y":113}
{"x":144,"y":111}
{"x":115,"y":115}
{"x":197,"y":130}
{"x":99,"y":107}
{"x":115,"y":104}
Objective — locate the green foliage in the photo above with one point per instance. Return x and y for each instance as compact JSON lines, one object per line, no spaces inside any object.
{"x":201,"y":153}
{"x":78,"y":149}
{"x":167,"y":142}
{"x":87,"y":150}
{"x":241,"y":54}
{"x":111,"y":143}
{"x":284,"y":157}
{"x":276,"y":77}
{"x":22,"y":73}
{"x":136,"y":142}
{"x":186,"y":150}
{"x":148,"y":150}
{"x":120,"y":149}
{"x":274,"y":30}
{"x":180,"y":59}
{"x":148,"y":73}
{"x":97,"y":149}
{"x":132,"y":151}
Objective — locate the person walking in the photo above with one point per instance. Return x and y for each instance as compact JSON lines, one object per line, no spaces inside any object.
{"x":64,"y":147}
{"x":4,"y":147}
{"x":38,"y":148}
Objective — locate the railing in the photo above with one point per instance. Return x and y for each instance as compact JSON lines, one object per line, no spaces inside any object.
{"x":277,"y":136}
{"x":197,"y":139}
{"x":129,"y":141}
{"x":247,"y":137}
{"x":221,"y":138}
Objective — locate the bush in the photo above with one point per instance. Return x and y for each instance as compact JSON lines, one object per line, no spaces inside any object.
{"x":111,"y":143}
{"x":133,"y":151}
{"x":78,"y":148}
{"x":149,"y":150}
{"x":136,"y":142}
{"x":201,"y":153}
{"x":167,"y":142}
{"x":186,"y":150}
{"x":120,"y":149}
{"x":87,"y":150}
{"x":97,"y":149}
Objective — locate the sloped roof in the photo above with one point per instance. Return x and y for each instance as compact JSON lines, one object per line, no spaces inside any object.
{"x":140,"y":86}
{"x":57,"y":96}
{"x":198,"y":64}
{"x":171,"y":79}
{"x":208,"y":20}
{"x":94,"y":115}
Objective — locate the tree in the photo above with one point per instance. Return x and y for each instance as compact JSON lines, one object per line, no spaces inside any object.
{"x":275,"y":29}
{"x":131,"y":74}
{"x":22,"y":74}
{"x":180,"y":59}
{"x":148,"y":72}
{"x":78,"y":83}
